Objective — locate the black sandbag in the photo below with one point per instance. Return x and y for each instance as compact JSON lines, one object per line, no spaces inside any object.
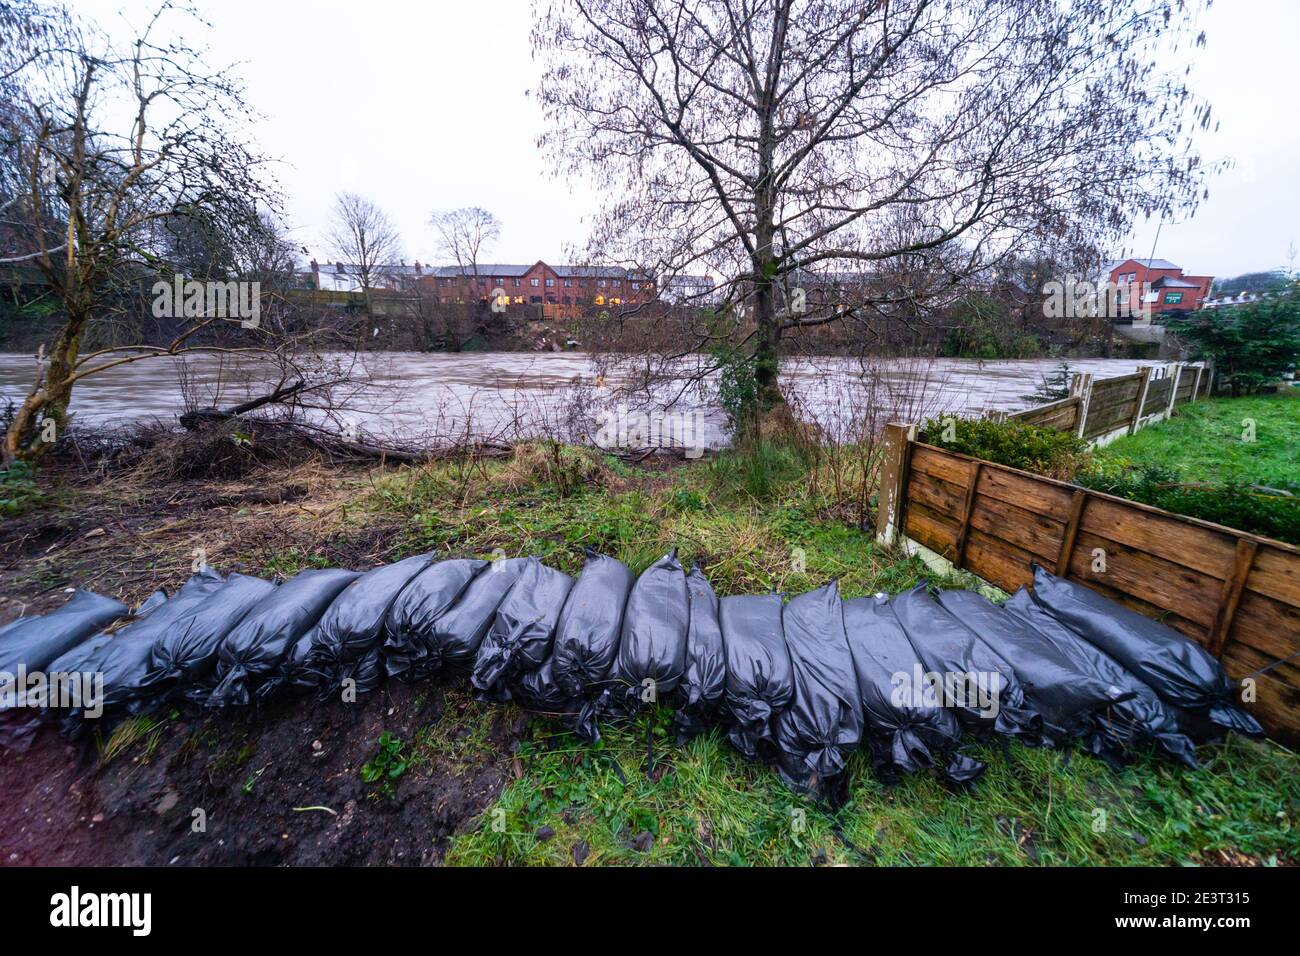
{"x":760,"y":679}
{"x":458,"y":633}
{"x":823,"y":724}
{"x":1178,"y":669}
{"x":523,"y":631}
{"x":31,"y":643}
{"x":652,"y":644}
{"x":186,"y":654}
{"x":354,"y":623}
{"x":1141,"y":722}
{"x":125,"y":661}
{"x":1065,"y":695}
{"x":905,"y":733}
{"x":587,"y":633}
{"x":977,"y":681}
{"x":295,"y":674}
{"x":705,"y":679}
{"x":252,"y":652}
{"x":409,"y":648}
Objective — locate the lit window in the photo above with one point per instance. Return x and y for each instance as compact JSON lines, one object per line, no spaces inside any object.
{"x":600,"y":300}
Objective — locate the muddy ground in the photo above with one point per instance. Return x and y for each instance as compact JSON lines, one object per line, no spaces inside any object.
{"x":131,"y":796}
{"x":283,"y":787}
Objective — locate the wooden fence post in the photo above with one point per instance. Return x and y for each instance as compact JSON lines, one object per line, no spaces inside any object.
{"x":1145,"y":372}
{"x":1081,"y":388}
{"x":1173,"y":392}
{"x":1209,"y":377}
{"x":892,"y":500}
{"x":1196,"y":386}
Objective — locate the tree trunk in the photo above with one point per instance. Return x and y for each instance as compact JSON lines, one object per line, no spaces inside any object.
{"x":26,"y":438}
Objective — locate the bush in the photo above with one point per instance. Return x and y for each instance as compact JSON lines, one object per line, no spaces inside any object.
{"x":1271,"y":512}
{"x":1252,"y":345}
{"x":1043,"y":451}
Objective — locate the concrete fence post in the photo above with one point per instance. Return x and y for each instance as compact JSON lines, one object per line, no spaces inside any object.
{"x":1081,"y":388}
{"x":892,"y":499}
{"x":1173,"y":392}
{"x":1145,"y":372}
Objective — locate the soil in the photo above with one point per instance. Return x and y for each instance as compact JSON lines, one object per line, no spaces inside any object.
{"x":283,"y":786}
{"x":279,"y":788}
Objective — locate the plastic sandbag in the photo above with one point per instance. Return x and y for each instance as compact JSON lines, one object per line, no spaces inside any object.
{"x":124,"y":662}
{"x":523,"y":631}
{"x":975,"y":679}
{"x":1141,"y":722}
{"x":823,"y":724}
{"x":295,"y":673}
{"x":586,"y":644}
{"x":252,"y":652}
{"x":587,"y":633}
{"x":458,"y":633}
{"x":1065,"y":695}
{"x":1177,"y":669}
{"x":705,"y":680}
{"x":354,"y":624}
{"x":652,"y":646}
{"x":908,"y":732}
{"x":31,"y":643}
{"x":760,"y":679}
{"x":187,"y":653}
{"x":409,"y":650}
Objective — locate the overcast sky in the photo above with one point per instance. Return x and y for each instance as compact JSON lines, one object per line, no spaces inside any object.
{"x":424,"y":105}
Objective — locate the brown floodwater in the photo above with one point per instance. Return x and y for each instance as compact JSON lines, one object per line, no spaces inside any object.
{"x":425,"y":397}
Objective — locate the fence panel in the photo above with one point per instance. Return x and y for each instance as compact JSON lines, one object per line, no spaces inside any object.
{"x":1235,"y":593}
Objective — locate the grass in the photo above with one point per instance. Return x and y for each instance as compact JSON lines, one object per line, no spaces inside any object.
{"x":1223,"y":440}
{"x":767,"y":524}
{"x":710,"y":806}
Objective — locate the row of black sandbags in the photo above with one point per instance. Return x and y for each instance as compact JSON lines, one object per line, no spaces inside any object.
{"x":802,"y":683}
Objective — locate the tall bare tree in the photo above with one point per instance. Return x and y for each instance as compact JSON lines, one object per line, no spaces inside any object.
{"x":915,"y":144}
{"x":108,"y":143}
{"x":364,"y":238}
{"x":463,"y":234}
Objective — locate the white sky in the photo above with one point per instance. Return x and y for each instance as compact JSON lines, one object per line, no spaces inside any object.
{"x":421,"y":106}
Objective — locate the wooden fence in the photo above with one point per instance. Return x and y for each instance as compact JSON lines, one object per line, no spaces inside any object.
{"x":1103,"y":409}
{"x":1236,"y":594}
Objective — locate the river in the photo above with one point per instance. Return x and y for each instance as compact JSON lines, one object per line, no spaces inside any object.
{"x":425,"y":397}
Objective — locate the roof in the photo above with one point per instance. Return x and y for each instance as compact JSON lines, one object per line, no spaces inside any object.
{"x":1145,"y":263}
{"x":1171,"y":282}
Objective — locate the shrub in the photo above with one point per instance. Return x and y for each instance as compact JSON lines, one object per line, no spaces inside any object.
{"x":1271,"y":512}
{"x":1252,"y":345}
{"x":18,"y":491}
{"x":1044,"y":451}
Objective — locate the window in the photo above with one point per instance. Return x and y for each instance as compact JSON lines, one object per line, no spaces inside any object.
{"x":618,"y":283}
{"x":535,"y":300}
{"x":550,"y":283}
{"x":600,"y":283}
{"x":516,"y":283}
{"x":1173,"y":298}
{"x":635,"y":286}
{"x":568,"y":283}
{"x":534,"y":282}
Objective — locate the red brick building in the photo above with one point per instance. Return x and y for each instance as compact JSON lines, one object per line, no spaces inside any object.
{"x":540,"y":284}
{"x":1160,"y":286}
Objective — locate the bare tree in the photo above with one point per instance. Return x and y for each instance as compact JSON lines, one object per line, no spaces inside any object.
{"x":462,"y":235}
{"x":364,"y":238}
{"x":914,"y":144}
{"x":98,"y":182}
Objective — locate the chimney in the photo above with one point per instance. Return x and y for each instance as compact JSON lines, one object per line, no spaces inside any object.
{"x":314,"y":266}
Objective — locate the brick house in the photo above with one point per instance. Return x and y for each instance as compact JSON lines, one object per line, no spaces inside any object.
{"x":567,"y":289}
{"x":1160,"y":286}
